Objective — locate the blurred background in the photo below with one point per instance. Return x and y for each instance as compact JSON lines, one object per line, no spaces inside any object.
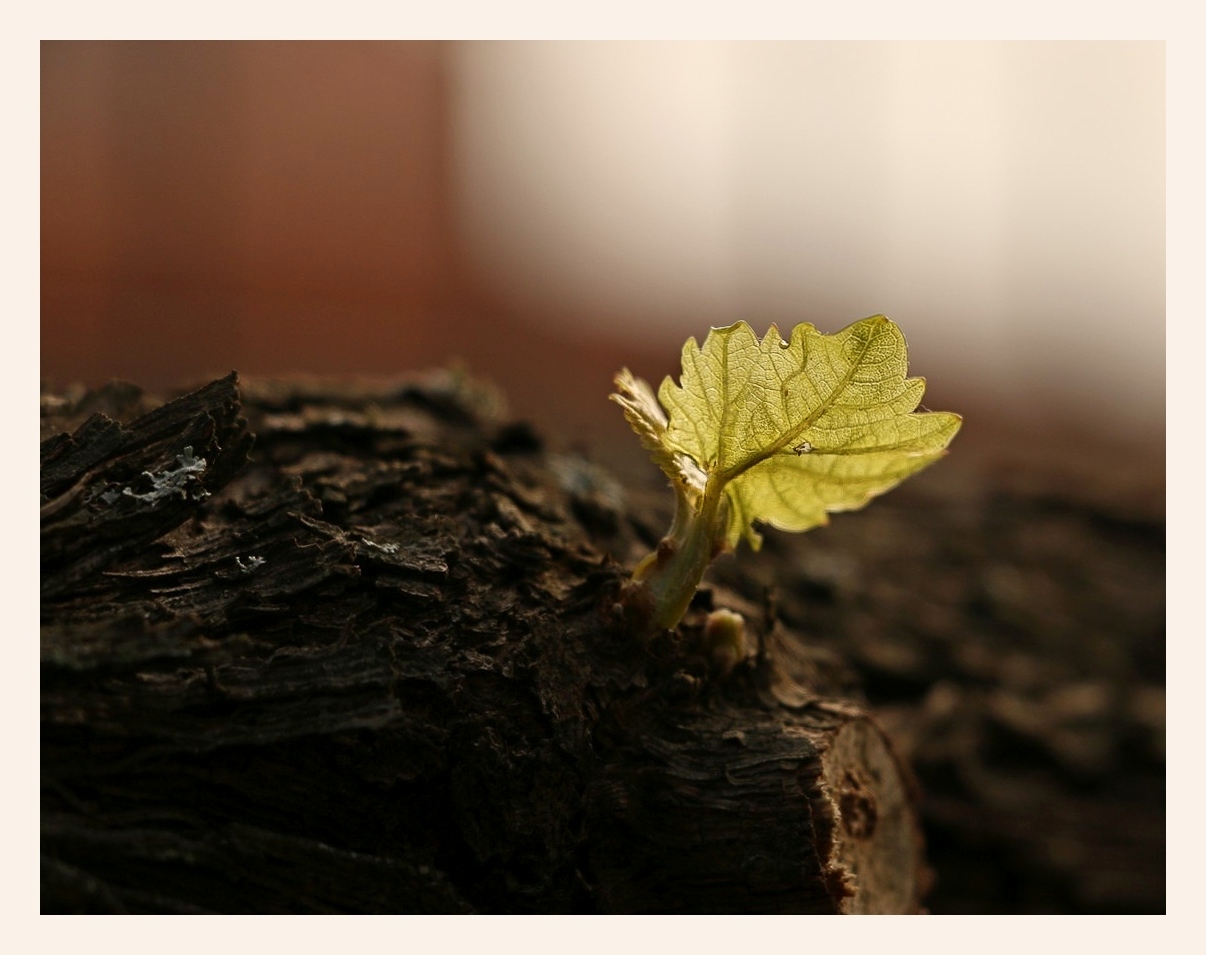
{"x":548,"y":212}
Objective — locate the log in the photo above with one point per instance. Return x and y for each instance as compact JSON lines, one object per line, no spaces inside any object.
{"x":321,"y":647}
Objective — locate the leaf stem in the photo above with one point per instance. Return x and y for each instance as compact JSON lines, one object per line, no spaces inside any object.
{"x":670,"y":575}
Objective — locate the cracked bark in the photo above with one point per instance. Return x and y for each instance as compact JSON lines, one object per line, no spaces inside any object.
{"x":364,"y":660}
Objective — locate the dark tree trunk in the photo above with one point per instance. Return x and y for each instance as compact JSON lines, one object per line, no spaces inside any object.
{"x":357,"y":653}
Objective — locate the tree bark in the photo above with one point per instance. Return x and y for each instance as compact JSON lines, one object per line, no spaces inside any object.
{"x":353,"y":648}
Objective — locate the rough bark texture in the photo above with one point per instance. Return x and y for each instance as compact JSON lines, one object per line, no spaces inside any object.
{"x":1005,"y":612}
{"x":372,"y":671}
{"x":317,"y":648}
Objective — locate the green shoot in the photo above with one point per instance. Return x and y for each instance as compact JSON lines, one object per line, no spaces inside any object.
{"x":776,"y":432}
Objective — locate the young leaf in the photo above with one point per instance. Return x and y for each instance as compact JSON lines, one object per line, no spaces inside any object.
{"x":649,"y":422}
{"x":777,"y":432}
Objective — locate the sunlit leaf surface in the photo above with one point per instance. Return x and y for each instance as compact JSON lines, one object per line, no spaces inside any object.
{"x":790,"y":430}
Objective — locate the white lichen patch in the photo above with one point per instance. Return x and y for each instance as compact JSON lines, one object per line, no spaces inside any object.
{"x":253,"y":562}
{"x":183,"y":480}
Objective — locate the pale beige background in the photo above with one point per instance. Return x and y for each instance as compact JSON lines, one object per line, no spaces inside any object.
{"x":1004,"y":202}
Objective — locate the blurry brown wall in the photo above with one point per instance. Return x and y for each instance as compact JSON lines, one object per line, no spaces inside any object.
{"x":274,"y":207}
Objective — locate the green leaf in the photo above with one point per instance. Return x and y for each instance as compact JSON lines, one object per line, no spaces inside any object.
{"x":788,"y":431}
{"x":767,"y":431}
